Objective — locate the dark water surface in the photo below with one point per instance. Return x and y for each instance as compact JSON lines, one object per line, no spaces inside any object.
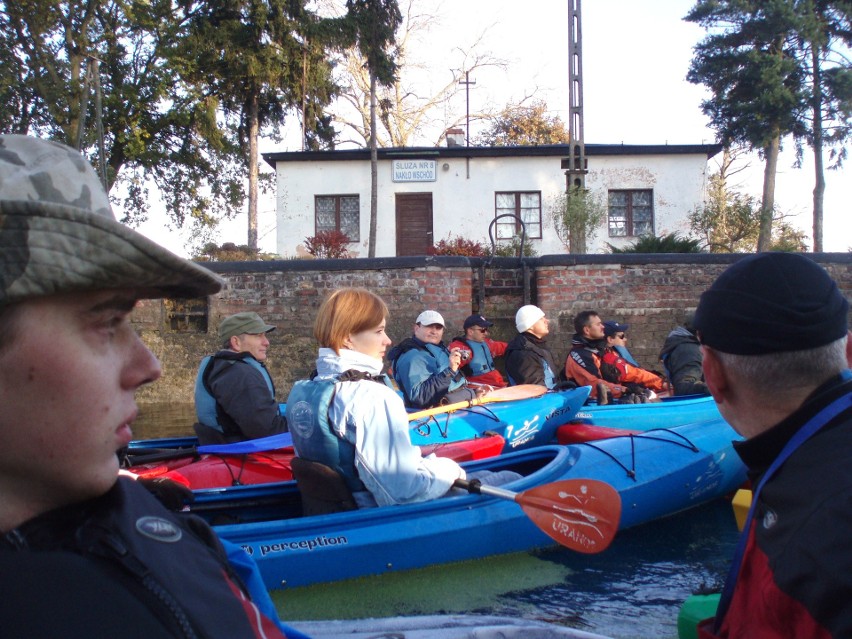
{"x":633,"y":590}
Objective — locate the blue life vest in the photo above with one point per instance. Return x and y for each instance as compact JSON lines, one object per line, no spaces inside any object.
{"x":481,"y":362}
{"x":314,"y":436}
{"x":442,"y":357}
{"x":549,"y":377}
{"x":207,"y":409}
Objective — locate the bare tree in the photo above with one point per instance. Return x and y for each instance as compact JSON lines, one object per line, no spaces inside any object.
{"x":408,"y":115}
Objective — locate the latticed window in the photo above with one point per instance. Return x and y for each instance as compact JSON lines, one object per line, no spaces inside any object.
{"x":631,"y":213}
{"x":526,"y":205}
{"x":339,"y":213}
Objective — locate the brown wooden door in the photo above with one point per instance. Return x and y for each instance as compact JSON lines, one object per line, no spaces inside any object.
{"x":414,"y":223}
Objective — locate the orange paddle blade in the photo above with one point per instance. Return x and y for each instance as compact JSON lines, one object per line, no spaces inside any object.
{"x":580,"y":514}
{"x":510,"y":393}
{"x":521,"y":391}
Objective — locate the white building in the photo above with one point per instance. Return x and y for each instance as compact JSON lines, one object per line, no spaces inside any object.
{"x":430,"y":194}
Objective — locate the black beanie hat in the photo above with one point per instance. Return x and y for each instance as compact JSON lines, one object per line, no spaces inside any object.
{"x":771,"y":303}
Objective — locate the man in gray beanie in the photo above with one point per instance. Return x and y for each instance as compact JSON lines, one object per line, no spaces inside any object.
{"x":84,"y":552}
{"x":776,"y":353}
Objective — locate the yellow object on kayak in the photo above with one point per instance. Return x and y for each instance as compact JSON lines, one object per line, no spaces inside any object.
{"x":741,"y":504}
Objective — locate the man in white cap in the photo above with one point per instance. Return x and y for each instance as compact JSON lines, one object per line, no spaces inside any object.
{"x":425,"y":370}
{"x":234,"y":392}
{"x":104,"y":556}
{"x":528,"y":359}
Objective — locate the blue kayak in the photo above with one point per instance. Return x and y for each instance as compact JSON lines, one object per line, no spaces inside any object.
{"x":671,"y":411}
{"x":656,"y":474}
{"x":523,"y":423}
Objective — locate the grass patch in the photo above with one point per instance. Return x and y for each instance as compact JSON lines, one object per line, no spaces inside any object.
{"x":460,"y":587}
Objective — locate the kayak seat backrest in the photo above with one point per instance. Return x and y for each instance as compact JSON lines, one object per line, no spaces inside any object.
{"x":323,"y":489}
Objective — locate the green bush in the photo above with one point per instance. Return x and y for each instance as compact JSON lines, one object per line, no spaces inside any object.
{"x":230,"y":252}
{"x":671,"y":243}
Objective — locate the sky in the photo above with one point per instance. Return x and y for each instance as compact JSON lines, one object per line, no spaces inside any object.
{"x":636,"y":55}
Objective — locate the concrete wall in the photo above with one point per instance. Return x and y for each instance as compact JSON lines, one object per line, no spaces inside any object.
{"x":652,"y":293}
{"x":463,"y":195}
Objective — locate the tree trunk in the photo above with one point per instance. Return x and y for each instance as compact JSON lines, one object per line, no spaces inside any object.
{"x":374,"y":169}
{"x":819,"y":169}
{"x":764,"y":239}
{"x":254,"y":127}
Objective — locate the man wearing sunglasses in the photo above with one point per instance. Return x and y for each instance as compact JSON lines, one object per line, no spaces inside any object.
{"x":616,"y":339}
{"x":478,"y":351}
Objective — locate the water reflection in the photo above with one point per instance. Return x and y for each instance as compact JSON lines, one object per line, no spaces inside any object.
{"x":164,"y":420}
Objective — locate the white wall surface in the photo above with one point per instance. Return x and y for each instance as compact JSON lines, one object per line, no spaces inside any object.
{"x":463,"y":195}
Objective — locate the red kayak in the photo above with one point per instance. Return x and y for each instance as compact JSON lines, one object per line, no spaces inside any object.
{"x":218,"y":471}
{"x":577,"y":433}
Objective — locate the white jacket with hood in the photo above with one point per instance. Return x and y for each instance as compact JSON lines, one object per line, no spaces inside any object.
{"x":372,"y":416}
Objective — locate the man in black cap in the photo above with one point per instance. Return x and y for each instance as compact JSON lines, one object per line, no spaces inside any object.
{"x":234,"y":392}
{"x":478,"y":352}
{"x":776,"y":349}
{"x":616,"y":339}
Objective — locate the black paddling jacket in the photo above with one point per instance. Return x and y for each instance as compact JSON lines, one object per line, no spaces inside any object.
{"x":79,"y":572}
{"x":796,"y":575}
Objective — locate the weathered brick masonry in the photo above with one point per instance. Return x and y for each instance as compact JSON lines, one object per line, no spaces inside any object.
{"x":652,"y":293}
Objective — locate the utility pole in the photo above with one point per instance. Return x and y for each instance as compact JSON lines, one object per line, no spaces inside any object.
{"x":576,"y":165}
{"x":467,"y":82}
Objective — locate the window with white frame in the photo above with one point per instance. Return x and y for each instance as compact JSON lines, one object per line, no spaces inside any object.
{"x":526,"y":205}
{"x":339,"y":213}
{"x":631,"y":212}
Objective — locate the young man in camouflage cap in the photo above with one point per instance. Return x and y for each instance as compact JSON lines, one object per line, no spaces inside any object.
{"x":83,"y":552}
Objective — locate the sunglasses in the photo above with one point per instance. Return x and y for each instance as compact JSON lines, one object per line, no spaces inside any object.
{"x":480,"y":329}
{"x":621,"y":336}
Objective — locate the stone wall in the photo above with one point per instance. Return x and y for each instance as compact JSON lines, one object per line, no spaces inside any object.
{"x":652,"y":293}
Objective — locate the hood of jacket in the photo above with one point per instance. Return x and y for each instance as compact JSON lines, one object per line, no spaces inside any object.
{"x":330,"y":364}
{"x":677,"y":337}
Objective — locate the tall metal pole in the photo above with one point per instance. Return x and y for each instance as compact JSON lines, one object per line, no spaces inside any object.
{"x":467,"y":82}
{"x":575,"y":176}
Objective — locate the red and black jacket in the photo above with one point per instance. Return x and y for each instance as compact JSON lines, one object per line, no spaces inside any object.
{"x":796,"y":575}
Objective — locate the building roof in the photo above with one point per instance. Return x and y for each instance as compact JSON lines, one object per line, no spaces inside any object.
{"x":439,"y":152}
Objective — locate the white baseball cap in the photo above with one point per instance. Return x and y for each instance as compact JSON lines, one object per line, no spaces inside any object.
{"x":427,"y":318}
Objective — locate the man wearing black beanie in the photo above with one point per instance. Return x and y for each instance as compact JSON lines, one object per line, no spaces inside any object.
{"x":776,"y":355}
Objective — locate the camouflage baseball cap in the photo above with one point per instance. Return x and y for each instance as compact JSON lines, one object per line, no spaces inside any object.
{"x":58,"y":233}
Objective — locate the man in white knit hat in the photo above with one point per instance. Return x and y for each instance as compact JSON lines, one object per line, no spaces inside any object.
{"x":528,"y":359}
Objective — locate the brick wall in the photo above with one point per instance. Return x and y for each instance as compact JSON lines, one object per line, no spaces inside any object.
{"x":652,"y":293}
